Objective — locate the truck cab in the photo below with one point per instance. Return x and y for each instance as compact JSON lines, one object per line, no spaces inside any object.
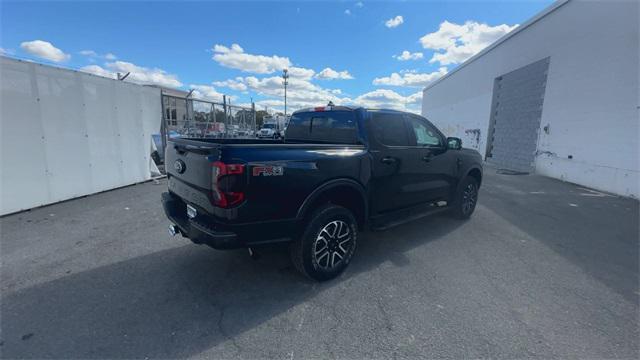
{"x":269,"y":131}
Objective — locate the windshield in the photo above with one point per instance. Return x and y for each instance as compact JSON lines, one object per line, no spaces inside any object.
{"x":269,"y":126}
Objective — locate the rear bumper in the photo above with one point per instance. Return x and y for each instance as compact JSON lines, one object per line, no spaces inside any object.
{"x":203,"y":230}
{"x":198,"y":232}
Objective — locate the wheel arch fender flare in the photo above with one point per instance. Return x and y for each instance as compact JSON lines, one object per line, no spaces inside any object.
{"x":473,"y":170}
{"x":327,"y":186}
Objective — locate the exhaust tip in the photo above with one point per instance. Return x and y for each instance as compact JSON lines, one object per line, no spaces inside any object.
{"x":173,"y":230}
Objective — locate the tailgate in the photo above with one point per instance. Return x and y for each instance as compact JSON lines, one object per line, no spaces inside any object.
{"x":189,"y":168}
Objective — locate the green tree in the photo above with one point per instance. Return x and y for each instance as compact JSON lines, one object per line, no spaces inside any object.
{"x":260,"y":114}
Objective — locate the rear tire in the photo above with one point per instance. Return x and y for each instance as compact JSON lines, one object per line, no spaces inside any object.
{"x":466,"y":199}
{"x":327,"y":243}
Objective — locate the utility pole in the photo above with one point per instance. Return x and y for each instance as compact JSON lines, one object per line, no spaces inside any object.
{"x":253,"y":111}
{"x":285,"y":82}
{"x":224,"y":107}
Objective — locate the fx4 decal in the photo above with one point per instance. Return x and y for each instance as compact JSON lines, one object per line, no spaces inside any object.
{"x":268,"y":171}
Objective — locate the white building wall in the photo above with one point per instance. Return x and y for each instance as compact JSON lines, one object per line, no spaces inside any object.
{"x":66,"y":134}
{"x":592,"y":99}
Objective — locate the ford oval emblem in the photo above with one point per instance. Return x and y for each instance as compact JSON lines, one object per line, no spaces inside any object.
{"x":179,"y":166}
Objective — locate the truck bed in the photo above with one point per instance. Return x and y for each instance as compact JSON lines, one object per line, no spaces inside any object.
{"x":301,"y":167}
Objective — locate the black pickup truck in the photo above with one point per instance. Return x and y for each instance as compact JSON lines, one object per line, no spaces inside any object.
{"x":337,"y":171}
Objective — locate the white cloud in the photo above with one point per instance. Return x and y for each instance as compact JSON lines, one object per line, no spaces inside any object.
{"x":273,"y":86}
{"x":381,"y":98}
{"x":93,"y":54}
{"x":330,"y":74}
{"x":415,"y":98}
{"x":456,"y":43}
{"x":98,"y":70}
{"x":410,"y":78}
{"x":406,"y":55}
{"x":145,"y":75}
{"x":44,"y":50}
{"x":207,"y":92}
{"x":300,"y":92}
{"x":394,"y":22}
{"x":302,"y":73}
{"x":138,"y":74}
{"x":305,"y":95}
{"x":270,"y":103}
{"x":234,"y":84}
{"x":235,"y":58}
{"x":87,"y":53}
{"x":224,"y":50}
{"x":315,"y":96}
{"x":357,"y":5}
{"x":389,"y":99}
{"x":4,"y":51}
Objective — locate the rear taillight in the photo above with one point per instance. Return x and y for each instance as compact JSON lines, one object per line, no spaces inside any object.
{"x":227,"y":183}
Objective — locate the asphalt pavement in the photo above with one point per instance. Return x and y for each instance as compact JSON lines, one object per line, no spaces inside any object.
{"x":543,"y":269}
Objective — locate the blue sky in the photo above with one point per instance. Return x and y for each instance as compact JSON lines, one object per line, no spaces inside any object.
{"x":174,"y":44}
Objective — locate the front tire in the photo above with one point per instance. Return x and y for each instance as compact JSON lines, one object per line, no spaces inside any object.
{"x":466,"y":199}
{"x":327,"y":243}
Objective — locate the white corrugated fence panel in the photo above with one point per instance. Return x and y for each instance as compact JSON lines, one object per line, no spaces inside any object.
{"x":67,"y":134}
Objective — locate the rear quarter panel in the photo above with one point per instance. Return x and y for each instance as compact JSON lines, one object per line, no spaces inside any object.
{"x":277,"y":198}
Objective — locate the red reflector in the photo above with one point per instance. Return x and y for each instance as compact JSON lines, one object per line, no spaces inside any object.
{"x":225,"y":199}
{"x":233,"y":169}
{"x":227,"y":169}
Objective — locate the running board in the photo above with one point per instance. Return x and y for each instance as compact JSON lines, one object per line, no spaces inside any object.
{"x":411,"y":216}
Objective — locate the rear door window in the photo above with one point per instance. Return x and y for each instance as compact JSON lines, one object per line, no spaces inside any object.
{"x":331,"y":127}
{"x":390,"y":129}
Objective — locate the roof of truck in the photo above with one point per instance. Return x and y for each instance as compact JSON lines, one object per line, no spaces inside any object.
{"x":326,"y":108}
{"x":342,"y":108}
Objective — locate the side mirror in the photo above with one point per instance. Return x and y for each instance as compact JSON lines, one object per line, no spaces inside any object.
{"x":454,"y":143}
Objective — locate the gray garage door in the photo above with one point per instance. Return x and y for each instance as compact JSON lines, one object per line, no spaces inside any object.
{"x":515,"y":116}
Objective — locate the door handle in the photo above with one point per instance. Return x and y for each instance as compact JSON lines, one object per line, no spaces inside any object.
{"x":427,"y":158}
{"x":388,"y":160}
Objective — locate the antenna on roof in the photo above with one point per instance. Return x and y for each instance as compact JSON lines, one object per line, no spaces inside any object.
{"x":120,"y":77}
